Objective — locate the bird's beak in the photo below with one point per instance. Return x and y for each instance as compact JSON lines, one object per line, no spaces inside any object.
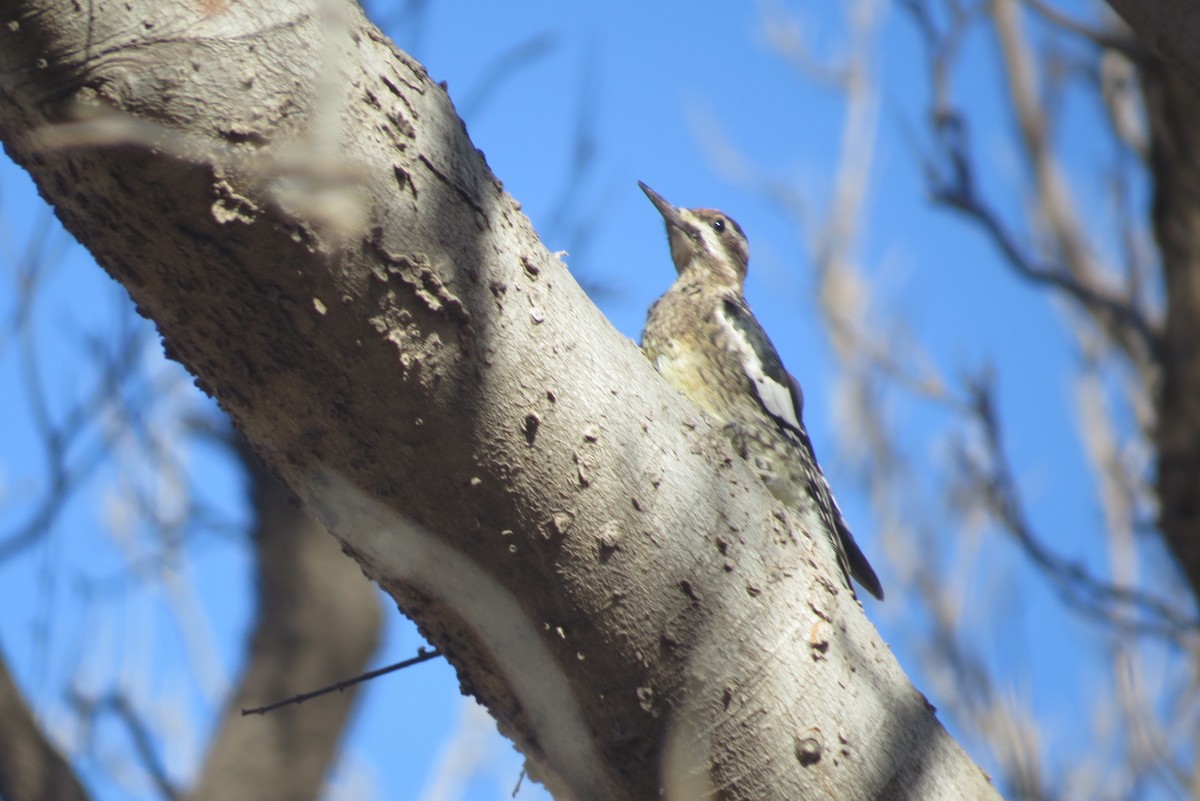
{"x":669,"y":212}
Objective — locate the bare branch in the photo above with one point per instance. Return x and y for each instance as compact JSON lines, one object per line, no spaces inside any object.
{"x":31,"y":767}
{"x":873,"y":357}
{"x":1173,"y":109}
{"x":118,"y":705}
{"x":1115,"y":312}
{"x":317,"y":617}
{"x":341,"y":686}
{"x":502,"y":68}
{"x":1101,"y":37}
{"x":73,"y":441}
{"x":1077,"y":586}
{"x":1125,"y":324}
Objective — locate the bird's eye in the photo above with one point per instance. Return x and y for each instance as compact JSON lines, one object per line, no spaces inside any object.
{"x":718,"y":225}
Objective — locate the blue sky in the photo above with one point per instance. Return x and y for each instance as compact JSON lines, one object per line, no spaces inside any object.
{"x":650,"y":81}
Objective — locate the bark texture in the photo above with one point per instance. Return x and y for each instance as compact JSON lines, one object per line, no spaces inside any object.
{"x":298,"y":208}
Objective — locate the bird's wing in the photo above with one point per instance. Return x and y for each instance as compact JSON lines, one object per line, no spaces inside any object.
{"x":781,"y":398}
{"x":777,"y":391}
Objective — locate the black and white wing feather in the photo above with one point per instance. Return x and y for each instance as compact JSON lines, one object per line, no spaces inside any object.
{"x":783,"y":400}
{"x":779,"y":393}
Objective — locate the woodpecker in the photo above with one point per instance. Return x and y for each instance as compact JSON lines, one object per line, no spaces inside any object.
{"x":703,"y":338}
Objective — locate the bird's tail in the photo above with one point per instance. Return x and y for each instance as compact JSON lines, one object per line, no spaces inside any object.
{"x":856,"y":564}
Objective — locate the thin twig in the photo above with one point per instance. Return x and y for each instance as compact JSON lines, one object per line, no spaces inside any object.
{"x":341,"y":686}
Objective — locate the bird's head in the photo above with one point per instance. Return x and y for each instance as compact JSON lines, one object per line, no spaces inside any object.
{"x":704,"y":242}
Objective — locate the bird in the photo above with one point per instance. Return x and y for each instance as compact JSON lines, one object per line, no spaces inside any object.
{"x":705,"y":341}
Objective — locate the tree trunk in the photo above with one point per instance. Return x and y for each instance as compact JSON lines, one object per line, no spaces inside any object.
{"x":1173,"y":111}
{"x":1168,"y":29}
{"x":296,"y":205}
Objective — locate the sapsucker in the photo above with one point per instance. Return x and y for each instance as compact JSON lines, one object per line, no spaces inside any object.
{"x":703,"y":338}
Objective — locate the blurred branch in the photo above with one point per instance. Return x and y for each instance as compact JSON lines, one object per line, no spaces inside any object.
{"x":70,"y":458}
{"x":1101,"y":37}
{"x":951,"y":177}
{"x":118,"y":705}
{"x":29,"y":272}
{"x":317,"y":617}
{"x":955,"y":187}
{"x":1120,"y":89}
{"x":502,"y":69}
{"x":960,"y":673}
{"x":464,"y":754}
{"x":1118,"y":318}
{"x":1077,"y":586}
{"x":573,"y":224}
{"x":785,"y":35}
{"x":405,"y":22}
{"x":1119,"y":313}
{"x":1078,"y":276}
{"x":942,"y":44}
{"x":31,"y":767}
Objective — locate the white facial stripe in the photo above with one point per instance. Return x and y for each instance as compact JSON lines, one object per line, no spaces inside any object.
{"x":711,"y":244}
{"x":775,"y":397}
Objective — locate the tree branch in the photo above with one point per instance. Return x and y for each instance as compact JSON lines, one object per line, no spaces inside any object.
{"x":381,"y":322}
{"x":342,"y":686}
{"x":1076,"y":584}
{"x":1167,"y":28}
{"x":1101,"y":37}
{"x":31,"y":767}
{"x":317,"y":619}
{"x":118,"y":705}
{"x":1173,"y":109}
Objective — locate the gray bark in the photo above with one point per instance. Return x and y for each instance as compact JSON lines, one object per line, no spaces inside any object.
{"x":298,"y":208}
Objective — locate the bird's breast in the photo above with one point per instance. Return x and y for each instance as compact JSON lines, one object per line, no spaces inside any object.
{"x":687,"y":353}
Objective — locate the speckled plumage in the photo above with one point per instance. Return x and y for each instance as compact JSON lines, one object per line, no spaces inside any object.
{"x":703,"y":338}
